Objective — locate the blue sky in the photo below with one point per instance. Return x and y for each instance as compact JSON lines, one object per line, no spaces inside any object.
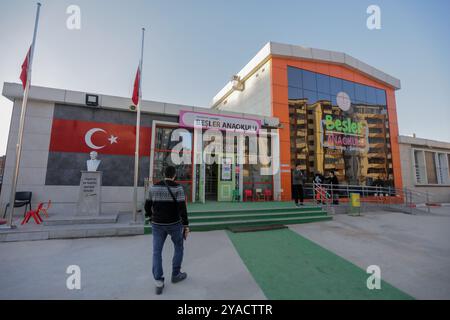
{"x":193,"y":47}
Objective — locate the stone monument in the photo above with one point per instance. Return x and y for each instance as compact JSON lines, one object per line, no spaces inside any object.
{"x":89,"y":196}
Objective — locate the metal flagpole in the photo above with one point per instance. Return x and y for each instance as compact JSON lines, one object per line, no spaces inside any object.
{"x":138,"y":126}
{"x":12,"y":196}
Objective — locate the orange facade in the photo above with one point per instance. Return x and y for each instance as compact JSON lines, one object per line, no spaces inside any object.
{"x":280,"y":109}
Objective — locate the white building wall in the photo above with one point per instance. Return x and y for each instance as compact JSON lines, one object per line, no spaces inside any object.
{"x":256,"y":96}
{"x":33,"y":167}
{"x":406,"y":161}
{"x":36,"y":141}
{"x":437,"y":193}
{"x":37,"y":133}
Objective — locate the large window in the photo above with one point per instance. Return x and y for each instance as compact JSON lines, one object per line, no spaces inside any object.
{"x":163,"y":158}
{"x":442,"y":168}
{"x":353,"y":139}
{"x":431,"y":167}
{"x":419,"y":167}
{"x":252,"y":173}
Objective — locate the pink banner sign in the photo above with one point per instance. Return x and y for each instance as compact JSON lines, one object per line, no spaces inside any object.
{"x":205,"y":121}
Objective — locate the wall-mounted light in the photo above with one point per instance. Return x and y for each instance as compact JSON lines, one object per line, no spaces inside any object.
{"x":92,"y":100}
{"x":237,"y":83}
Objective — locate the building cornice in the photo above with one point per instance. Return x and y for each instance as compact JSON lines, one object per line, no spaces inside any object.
{"x":274,"y":49}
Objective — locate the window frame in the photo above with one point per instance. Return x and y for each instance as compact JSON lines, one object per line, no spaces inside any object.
{"x":436,"y":153}
{"x":166,"y":124}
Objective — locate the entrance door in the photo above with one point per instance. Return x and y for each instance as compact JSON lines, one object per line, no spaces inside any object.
{"x":211,"y":171}
{"x":226,"y":183}
{"x":199,"y":194}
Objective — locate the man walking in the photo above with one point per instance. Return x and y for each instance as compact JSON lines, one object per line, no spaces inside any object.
{"x":166,"y":207}
{"x":298,"y":181}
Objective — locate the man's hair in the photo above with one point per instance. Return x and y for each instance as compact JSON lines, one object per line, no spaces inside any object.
{"x":298,"y":163}
{"x":170,"y":172}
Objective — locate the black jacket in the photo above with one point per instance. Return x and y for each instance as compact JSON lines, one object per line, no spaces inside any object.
{"x":334,"y":180}
{"x":160,"y":206}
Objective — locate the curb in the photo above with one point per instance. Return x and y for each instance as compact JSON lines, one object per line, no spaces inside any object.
{"x":431,"y":205}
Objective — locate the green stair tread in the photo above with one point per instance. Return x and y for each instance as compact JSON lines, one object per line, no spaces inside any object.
{"x":257,"y":214}
{"x":224,"y":224}
{"x":255,"y":210}
{"x":259,"y":220}
{"x":209,"y":227}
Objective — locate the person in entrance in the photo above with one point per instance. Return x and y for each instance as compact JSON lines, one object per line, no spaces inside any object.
{"x":298,"y":182}
{"x":166,"y":207}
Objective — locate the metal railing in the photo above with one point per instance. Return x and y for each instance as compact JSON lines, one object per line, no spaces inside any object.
{"x":329,"y":194}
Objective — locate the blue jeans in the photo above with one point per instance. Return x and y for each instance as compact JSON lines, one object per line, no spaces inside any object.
{"x":160,"y":233}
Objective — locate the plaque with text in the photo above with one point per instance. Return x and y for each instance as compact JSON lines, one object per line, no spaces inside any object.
{"x":89,"y":193}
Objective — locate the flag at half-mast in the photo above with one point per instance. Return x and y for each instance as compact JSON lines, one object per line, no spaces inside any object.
{"x":24,"y":73}
{"x":136,"y":88}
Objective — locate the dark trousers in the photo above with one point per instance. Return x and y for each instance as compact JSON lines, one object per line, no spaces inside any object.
{"x":160,"y":233}
{"x":297,"y":191}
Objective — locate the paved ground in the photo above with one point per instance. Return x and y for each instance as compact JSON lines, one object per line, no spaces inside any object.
{"x":121,"y":268}
{"x":412,"y":251}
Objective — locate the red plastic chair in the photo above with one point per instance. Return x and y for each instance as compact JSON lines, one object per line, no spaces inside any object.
{"x":35,"y":214}
{"x":267,"y":194}
{"x":321,"y":194}
{"x":248,"y":194}
{"x":45,"y":210}
{"x":259,"y":195}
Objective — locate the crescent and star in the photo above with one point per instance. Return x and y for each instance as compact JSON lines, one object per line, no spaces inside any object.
{"x":88,"y":138}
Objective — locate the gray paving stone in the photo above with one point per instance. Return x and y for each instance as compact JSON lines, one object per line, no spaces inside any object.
{"x":67,"y":234}
{"x":26,"y":236}
{"x":108,"y":232}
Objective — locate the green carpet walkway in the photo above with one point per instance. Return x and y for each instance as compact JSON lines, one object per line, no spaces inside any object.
{"x":288,"y":266}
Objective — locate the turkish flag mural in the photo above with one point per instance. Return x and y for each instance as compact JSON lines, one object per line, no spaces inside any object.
{"x":105,"y":138}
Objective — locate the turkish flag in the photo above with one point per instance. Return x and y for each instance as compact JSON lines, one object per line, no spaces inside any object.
{"x":24,"y":73}
{"x":105,"y":138}
{"x":136,"y":89}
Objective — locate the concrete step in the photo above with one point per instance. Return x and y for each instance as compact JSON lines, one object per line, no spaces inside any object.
{"x":72,"y":231}
{"x":220,"y":225}
{"x":253,"y":210}
{"x":260,"y":216}
{"x":74,"y":220}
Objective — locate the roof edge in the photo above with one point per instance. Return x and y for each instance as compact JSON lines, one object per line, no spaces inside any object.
{"x":402,"y":139}
{"x":276,"y":49}
{"x":14,"y":91}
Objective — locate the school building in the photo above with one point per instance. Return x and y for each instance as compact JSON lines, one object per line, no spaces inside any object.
{"x":323,"y":109}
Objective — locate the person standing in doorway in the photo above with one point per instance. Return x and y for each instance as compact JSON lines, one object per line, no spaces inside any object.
{"x":298,"y":182}
{"x":166,"y":207}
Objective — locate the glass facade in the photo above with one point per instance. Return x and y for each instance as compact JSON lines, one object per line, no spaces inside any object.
{"x":252,"y":177}
{"x":211,"y":178}
{"x":339,"y":125}
{"x":162,"y":158}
